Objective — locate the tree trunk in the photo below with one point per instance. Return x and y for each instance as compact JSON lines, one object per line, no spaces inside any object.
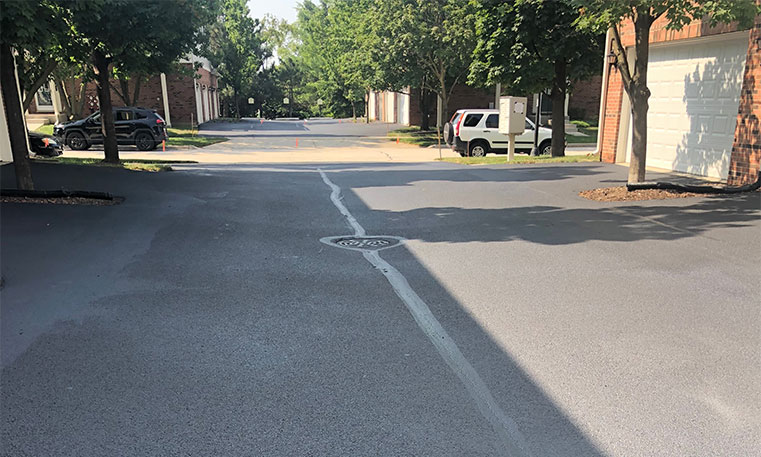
{"x":639,"y":94}
{"x":15,"y":119}
{"x":559,"y":85}
{"x":66,"y":101}
{"x":80,"y":107}
{"x":110,"y":147}
{"x":29,"y":95}
{"x":367,"y":107}
{"x":353,"y":110}
{"x":136,"y":93}
{"x":424,"y":109}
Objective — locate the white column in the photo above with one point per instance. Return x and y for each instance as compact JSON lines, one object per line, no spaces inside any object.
{"x":165,"y":96}
{"x":23,"y":114}
{"x":57,"y":105}
{"x":439,"y":109}
{"x":5,"y":137}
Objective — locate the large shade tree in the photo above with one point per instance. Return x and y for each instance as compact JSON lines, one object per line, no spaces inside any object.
{"x":236,"y":49}
{"x":613,"y":14}
{"x":23,"y":25}
{"x":532,"y":45}
{"x":333,"y":49}
{"x":426,"y":42}
{"x":148,"y":35}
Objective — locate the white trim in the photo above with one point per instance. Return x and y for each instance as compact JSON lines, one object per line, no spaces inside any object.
{"x":603,"y":93}
{"x":713,"y":38}
{"x":5,"y":138}
{"x":165,"y":97}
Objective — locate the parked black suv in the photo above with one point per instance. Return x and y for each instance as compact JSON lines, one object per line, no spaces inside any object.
{"x":142,"y":127}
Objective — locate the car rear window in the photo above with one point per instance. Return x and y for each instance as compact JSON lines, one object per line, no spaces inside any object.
{"x":141,"y":114}
{"x":456,"y":118}
{"x":472,"y":120}
{"x":492,"y":122}
{"x":124,"y":115}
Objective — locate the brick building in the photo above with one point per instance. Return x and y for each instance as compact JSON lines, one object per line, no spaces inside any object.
{"x":404,"y":108}
{"x":705,"y":104}
{"x":181,"y":99}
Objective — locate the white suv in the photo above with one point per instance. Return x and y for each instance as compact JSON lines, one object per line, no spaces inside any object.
{"x":475,"y":132}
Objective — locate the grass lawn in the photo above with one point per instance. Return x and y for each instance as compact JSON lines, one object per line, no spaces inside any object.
{"x":588,"y":131}
{"x":130,"y":164}
{"x":189,"y":137}
{"x":46,"y":129}
{"x":521,"y":159}
{"x":413,"y":135}
{"x":177,"y":137}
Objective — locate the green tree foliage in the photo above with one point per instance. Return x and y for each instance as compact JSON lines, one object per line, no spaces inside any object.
{"x":237,"y":51}
{"x":26,"y":28}
{"x":532,"y":45}
{"x":425,"y":43}
{"x":603,"y":15}
{"x":334,"y":52}
{"x":128,"y":35}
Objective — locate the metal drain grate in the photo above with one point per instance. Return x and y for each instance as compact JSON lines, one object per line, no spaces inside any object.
{"x":363,"y":243}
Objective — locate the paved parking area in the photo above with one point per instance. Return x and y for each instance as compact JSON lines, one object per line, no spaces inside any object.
{"x":204,"y":316}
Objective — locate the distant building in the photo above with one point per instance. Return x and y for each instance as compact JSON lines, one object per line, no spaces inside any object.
{"x":404,"y":107}
{"x":182,"y":100}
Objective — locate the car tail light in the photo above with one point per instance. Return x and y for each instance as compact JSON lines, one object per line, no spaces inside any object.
{"x":457,"y":128}
{"x":46,"y":142}
{"x":159,"y":121}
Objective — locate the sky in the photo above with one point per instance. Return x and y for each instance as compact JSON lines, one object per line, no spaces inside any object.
{"x":285,"y":9}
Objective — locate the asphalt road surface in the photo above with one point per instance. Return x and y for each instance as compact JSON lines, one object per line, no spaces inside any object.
{"x":211,"y":314}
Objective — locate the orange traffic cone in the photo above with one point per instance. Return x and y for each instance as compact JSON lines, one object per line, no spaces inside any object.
{"x":163,"y":145}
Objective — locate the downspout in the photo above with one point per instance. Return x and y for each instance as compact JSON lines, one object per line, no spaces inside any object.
{"x":603,"y":95}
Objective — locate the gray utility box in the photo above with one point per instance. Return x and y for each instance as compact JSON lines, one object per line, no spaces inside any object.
{"x":512,"y":120}
{"x":512,"y":115}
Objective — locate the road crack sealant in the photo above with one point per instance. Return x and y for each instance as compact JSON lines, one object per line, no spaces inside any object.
{"x":504,"y":426}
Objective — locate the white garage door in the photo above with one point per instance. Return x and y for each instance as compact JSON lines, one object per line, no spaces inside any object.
{"x":693,"y":107}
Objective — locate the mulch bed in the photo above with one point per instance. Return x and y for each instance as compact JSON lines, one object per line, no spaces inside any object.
{"x":620,"y":194}
{"x":62,"y":201}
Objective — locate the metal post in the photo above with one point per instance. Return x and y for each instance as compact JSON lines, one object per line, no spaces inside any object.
{"x":511,"y":148}
{"x":438,"y":140}
{"x":535,"y":151}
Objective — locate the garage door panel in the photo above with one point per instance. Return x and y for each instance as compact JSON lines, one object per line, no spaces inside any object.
{"x":695,"y":91}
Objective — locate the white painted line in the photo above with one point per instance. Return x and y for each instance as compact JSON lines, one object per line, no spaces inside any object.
{"x":505,"y":427}
{"x":335,"y":197}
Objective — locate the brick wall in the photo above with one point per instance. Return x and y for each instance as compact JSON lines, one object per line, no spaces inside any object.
{"x":416,"y":116}
{"x":180,"y":91}
{"x":585,"y":98}
{"x":614,"y":99}
{"x":746,"y":150}
{"x":659,"y":33}
{"x":467,"y":97}
{"x":180,"y":94}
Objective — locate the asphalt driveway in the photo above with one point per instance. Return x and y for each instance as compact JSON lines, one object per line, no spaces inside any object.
{"x":204,"y":316}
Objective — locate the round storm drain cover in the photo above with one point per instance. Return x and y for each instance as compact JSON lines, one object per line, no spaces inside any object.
{"x":363,"y":243}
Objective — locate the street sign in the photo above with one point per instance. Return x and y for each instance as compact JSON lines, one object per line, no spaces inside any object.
{"x":286,"y":101}
{"x":250,"y":101}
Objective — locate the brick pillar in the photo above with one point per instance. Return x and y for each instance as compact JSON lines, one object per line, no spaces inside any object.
{"x":746,"y":149}
{"x":614,"y":100}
